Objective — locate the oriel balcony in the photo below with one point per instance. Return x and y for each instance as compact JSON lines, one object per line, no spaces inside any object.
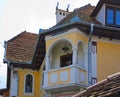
{"x":65,"y":67}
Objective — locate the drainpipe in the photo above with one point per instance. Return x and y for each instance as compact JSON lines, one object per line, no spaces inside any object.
{"x":89,"y":55}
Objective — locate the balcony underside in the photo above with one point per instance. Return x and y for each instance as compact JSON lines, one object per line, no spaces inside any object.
{"x":66,"y":87}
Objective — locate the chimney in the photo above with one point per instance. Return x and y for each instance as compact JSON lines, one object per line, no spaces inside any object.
{"x":60,"y":14}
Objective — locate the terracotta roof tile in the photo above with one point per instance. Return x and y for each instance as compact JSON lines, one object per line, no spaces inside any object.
{"x":109,"y":87}
{"x":21,"y":48}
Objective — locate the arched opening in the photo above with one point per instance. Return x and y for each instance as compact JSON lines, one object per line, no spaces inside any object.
{"x":28,"y":83}
{"x":81,"y":55}
{"x":61,"y":54}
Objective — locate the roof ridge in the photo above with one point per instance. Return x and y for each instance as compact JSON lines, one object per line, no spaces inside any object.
{"x":20,"y":34}
{"x":85,"y":6}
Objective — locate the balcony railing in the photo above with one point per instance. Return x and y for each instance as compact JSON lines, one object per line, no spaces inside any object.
{"x":65,"y":76}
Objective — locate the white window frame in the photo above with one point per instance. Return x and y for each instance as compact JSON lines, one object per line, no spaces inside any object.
{"x":25,"y":93}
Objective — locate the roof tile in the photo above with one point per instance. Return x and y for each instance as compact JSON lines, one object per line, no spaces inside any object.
{"x":21,"y":48}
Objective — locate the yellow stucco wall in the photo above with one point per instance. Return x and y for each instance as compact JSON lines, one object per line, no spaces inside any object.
{"x":108,"y":59}
{"x":73,"y":37}
{"x":37,"y":83}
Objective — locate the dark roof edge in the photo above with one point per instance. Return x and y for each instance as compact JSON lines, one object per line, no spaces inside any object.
{"x":83,"y":24}
{"x":35,"y":51}
{"x":65,"y":25}
{"x":97,"y":8}
{"x":18,"y":64}
{"x":15,"y":62}
{"x":107,"y":27}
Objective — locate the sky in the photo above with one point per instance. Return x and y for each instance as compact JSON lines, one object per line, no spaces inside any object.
{"x":17,"y":16}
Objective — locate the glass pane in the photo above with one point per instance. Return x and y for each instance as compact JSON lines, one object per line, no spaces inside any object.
{"x":117,"y":17}
{"x":110,"y":16}
{"x":66,"y":60}
{"x":28,"y":85}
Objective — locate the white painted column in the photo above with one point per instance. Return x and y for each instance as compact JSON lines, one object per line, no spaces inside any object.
{"x":74,"y":57}
{"x":47,"y":62}
{"x":86,"y":61}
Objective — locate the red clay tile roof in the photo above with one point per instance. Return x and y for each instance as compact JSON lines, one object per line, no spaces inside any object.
{"x":21,"y":48}
{"x":83,"y":13}
{"x":109,"y":87}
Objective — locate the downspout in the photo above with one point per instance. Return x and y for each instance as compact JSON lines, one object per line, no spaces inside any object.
{"x":89,"y":54}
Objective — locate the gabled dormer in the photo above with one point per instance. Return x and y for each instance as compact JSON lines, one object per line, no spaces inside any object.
{"x":107,"y":12}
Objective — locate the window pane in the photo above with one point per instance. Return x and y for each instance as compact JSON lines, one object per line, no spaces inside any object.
{"x":66,"y":60}
{"x":110,"y":16}
{"x":117,"y":17}
{"x":28,"y":83}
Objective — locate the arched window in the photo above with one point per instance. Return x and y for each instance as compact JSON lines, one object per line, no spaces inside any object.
{"x":28,"y":83}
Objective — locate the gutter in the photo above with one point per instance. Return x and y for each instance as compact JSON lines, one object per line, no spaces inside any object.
{"x":89,"y":54}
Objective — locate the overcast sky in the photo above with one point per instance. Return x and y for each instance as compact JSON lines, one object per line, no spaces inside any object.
{"x":30,"y":15}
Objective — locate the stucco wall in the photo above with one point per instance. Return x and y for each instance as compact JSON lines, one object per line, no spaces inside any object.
{"x":37,"y":83}
{"x":108,"y":59}
{"x":74,"y":35}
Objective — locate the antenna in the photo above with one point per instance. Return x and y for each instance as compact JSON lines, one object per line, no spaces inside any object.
{"x":68,"y":7}
{"x":57,"y":5}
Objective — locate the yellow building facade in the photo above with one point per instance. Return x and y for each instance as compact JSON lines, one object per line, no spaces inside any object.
{"x":59,"y":62}
{"x":37,"y":92}
{"x":108,"y":58}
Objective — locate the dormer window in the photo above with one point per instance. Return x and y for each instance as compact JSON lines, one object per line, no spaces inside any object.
{"x":113,"y":16}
